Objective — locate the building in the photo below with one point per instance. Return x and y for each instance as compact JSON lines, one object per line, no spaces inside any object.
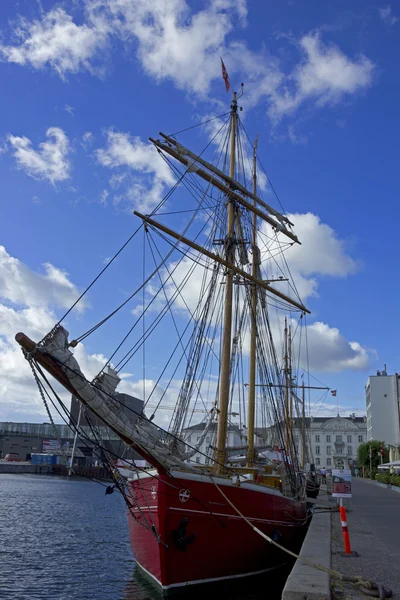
{"x":382,"y":394}
{"x":25,"y":439}
{"x":193,"y":434}
{"x":331,"y":442}
{"x":334,"y":441}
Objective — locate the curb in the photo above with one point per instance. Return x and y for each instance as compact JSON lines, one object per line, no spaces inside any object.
{"x":305,"y":581}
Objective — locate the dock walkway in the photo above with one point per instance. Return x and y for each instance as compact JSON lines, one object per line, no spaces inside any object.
{"x":374,"y":528}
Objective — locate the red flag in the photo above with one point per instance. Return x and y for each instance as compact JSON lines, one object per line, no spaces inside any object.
{"x":333,"y":392}
{"x":225,"y":76}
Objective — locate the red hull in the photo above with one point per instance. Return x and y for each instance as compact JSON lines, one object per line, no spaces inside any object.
{"x":224,"y":545}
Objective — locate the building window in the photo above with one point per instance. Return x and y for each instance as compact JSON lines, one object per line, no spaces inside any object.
{"x":360,"y":438}
{"x":198,"y":437}
{"x":317,"y":450}
{"x":329,"y":462}
{"x":317,"y":438}
{"x":296,"y":439}
{"x":317,"y":462}
{"x":349,"y":440}
{"x":339,"y":450}
{"x":207,"y":460}
{"x":339,"y":438}
{"x":328,"y":449}
{"x":189,"y":439}
{"x":197,"y":459}
{"x":328,"y":438}
{"x":207,"y":440}
{"x":349,"y":450}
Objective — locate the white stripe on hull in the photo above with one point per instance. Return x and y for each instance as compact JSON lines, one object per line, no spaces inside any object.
{"x":201,"y":581}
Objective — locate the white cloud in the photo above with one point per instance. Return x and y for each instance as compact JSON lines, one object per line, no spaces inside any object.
{"x":49,"y":162}
{"x":27,"y":300}
{"x":387,"y":16}
{"x":329,"y":350}
{"x":325,"y":75}
{"x":56,"y":41}
{"x":173,"y":42}
{"x":87,"y":140}
{"x":131,"y":155}
{"x":322,"y":254}
{"x":103,"y":197}
{"x":21,"y":286}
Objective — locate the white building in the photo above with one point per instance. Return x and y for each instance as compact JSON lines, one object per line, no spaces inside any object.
{"x":382,"y":398}
{"x":382,"y":394}
{"x":331,"y":442}
{"x":334,"y":441}
{"x":193,"y":434}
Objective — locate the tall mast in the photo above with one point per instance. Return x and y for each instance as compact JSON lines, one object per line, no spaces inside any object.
{"x":303,"y":426}
{"x":286,"y":369}
{"x":253,"y":340}
{"x":290,"y":385}
{"x":224,"y":383}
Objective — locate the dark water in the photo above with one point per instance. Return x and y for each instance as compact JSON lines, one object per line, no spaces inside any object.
{"x":64,"y":539}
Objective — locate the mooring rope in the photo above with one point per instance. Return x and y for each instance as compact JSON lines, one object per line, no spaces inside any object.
{"x":369,"y":588}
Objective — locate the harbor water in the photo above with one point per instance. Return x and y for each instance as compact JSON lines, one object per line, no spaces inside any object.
{"x":64,"y":539}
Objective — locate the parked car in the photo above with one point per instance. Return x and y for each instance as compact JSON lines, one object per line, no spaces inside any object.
{"x":12,"y":457}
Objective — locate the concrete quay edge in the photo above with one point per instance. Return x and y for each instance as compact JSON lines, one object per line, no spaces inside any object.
{"x":304,"y":581}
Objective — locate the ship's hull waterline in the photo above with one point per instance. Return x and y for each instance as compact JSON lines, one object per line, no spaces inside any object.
{"x":202,"y":538}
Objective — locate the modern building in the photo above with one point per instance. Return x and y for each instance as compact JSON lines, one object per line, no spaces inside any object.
{"x":382,"y":394}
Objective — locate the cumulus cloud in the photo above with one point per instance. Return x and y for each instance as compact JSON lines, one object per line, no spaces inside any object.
{"x":128,"y":155}
{"x":57,"y":41}
{"x":322,"y":253}
{"x":325,"y":74}
{"x":174,"y":42}
{"x":49,"y":162}
{"x":22,"y":286}
{"x":27,"y":303}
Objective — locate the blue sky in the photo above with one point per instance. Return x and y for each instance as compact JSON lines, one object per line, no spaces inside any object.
{"x":85,"y":84}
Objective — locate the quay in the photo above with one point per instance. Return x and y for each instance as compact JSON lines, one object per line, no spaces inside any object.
{"x":21,"y":468}
{"x":374,"y":528}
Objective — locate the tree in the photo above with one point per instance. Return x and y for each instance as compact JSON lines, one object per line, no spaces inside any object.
{"x":364,"y":451}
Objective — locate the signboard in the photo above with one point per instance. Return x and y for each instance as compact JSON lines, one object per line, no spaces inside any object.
{"x":50,"y":445}
{"x":341,"y":483}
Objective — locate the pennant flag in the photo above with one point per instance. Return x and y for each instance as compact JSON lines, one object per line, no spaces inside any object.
{"x":333,"y":392}
{"x":225,"y":76}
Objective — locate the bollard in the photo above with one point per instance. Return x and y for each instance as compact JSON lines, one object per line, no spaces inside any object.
{"x":345,"y":530}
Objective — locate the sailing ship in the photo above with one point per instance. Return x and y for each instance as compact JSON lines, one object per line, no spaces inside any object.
{"x":196,"y":514}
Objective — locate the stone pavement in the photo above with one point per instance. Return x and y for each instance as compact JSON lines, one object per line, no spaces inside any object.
{"x":374,"y":526}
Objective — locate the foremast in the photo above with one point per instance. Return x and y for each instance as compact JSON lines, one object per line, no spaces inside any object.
{"x":224,"y":382}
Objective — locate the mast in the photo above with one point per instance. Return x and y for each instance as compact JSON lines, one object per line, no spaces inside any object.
{"x":286,"y":369}
{"x":290,"y":385}
{"x":253,"y":340}
{"x":224,"y":383}
{"x":303,"y":426}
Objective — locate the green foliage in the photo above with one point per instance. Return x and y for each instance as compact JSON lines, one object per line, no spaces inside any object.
{"x":383,"y":477}
{"x":363,"y":454}
{"x":395,"y":480}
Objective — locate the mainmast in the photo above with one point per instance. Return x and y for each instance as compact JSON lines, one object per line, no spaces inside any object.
{"x":224,"y":383}
{"x":253,"y":330}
